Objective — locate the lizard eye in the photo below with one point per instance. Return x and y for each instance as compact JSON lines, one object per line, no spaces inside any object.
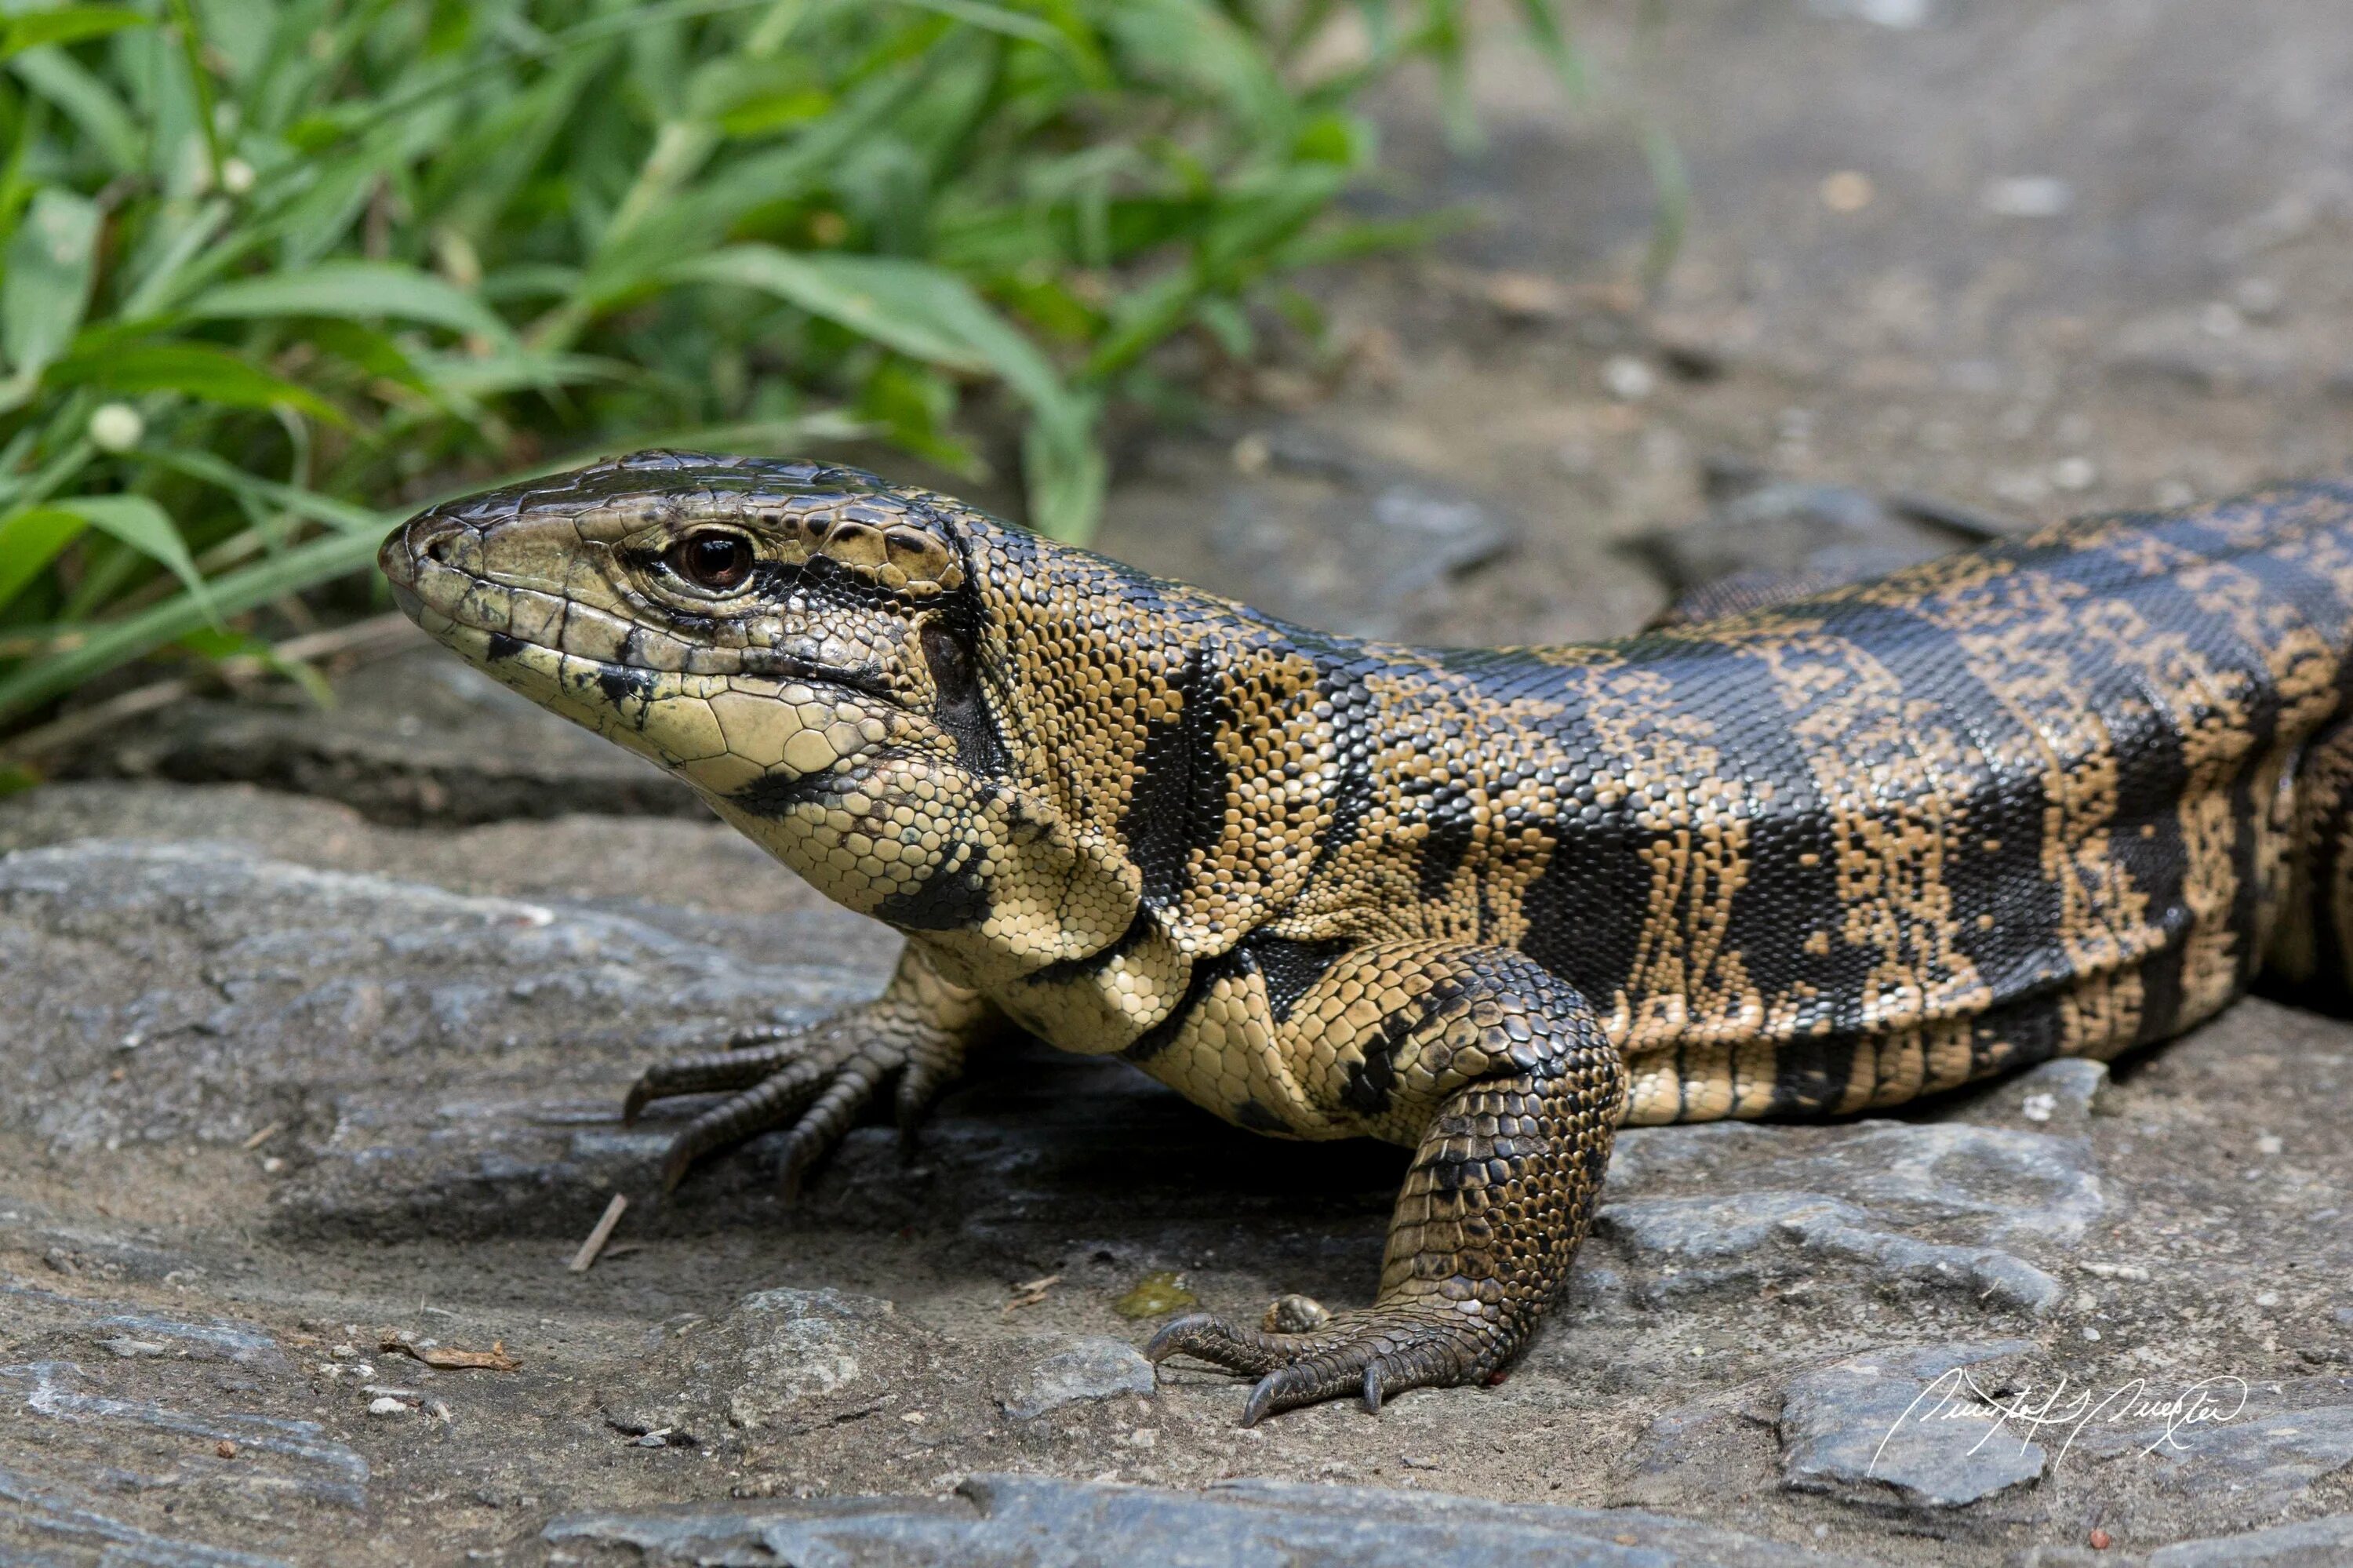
{"x":715,"y":562}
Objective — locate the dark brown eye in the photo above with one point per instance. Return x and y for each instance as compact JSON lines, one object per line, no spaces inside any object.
{"x":715,"y":562}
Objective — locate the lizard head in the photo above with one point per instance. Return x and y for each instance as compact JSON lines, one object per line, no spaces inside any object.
{"x":799,"y":642}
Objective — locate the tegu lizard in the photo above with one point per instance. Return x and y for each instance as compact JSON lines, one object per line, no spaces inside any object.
{"x":2058,"y":796}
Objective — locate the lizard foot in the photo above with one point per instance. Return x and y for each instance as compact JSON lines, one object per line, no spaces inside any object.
{"x":1371,"y":1353}
{"x":814,"y":1080}
{"x":810,"y":1079}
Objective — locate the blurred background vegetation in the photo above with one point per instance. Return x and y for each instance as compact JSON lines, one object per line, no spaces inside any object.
{"x":278,"y":270}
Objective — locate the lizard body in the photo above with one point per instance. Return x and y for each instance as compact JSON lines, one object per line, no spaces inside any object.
{"x":2058,"y":796}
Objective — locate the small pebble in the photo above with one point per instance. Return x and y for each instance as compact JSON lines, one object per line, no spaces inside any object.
{"x":2028,"y":195}
{"x":1627,"y":379}
{"x":225,"y":1448}
{"x":2101,"y":1541}
{"x":2037,"y":1108}
{"x":129,"y":1349}
{"x":2075,"y":473}
{"x":2268,"y":1298}
{"x":2269,"y":1143}
{"x":388,"y":1405}
{"x":1848,"y":190}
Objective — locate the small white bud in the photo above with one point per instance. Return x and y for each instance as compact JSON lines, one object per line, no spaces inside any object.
{"x":115,"y":426}
{"x":236,"y":177}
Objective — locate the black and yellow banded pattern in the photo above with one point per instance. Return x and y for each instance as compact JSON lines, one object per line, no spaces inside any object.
{"x":2061,"y":796}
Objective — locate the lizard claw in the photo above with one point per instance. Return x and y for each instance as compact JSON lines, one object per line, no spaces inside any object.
{"x":1375,"y":1353}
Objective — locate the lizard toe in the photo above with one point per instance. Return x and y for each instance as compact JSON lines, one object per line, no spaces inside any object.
{"x":1373,"y":1354}
{"x":749,"y":1056}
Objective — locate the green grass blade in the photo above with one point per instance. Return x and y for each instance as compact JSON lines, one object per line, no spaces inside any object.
{"x":196,"y":369}
{"x":114,"y":643}
{"x":269,"y":493}
{"x":50,"y":262}
{"x":29,"y":541}
{"x":87,"y":101}
{"x":360,"y":290}
{"x":139,"y":523}
{"x":66,"y":25}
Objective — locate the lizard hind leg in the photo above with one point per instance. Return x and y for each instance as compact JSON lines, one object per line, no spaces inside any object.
{"x":1494,"y":1206}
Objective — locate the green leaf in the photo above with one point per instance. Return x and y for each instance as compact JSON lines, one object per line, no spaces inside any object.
{"x":50,"y":262}
{"x":929,"y":314}
{"x":146,"y":528}
{"x":290,"y":498}
{"x":1064,"y":470}
{"x":120,"y":641}
{"x":354,"y":289}
{"x":197,"y":370}
{"x":88,"y":102}
{"x":29,"y":541}
{"x":924,"y":312}
{"x":68,"y":24}
{"x":1543,"y":26}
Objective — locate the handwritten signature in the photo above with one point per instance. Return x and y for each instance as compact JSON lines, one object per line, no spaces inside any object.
{"x":2026,"y":1412}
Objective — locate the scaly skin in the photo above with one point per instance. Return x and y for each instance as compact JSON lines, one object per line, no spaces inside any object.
{"x":2059,"y":796}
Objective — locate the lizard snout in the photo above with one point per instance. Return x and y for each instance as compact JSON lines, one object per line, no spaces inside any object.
{"x":428,"y":537}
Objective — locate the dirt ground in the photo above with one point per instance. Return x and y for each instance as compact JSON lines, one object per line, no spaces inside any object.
{"x":283,"y":1078}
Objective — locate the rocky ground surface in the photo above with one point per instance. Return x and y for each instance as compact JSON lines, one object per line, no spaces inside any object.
{"x":313,"y":1027}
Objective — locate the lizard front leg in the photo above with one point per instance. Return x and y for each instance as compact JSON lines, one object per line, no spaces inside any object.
{"x":1526,"y":1091}
{"x":818,"y":1078}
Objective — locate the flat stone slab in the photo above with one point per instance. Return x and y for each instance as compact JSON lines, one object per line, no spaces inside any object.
{"x":1987,"y":1213}
{"x":440,"y":1023}
{"x":1906,"y":1426}
{"x":1077,"y":1372}
{"x":2316,"y":1544}
{"x":1031,"y":1521}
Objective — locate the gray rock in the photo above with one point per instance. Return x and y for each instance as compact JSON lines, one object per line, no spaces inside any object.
{"x":217,"y":1340}
{"x":2316,"y":1544}
{"x":1759,"y":533}
{"x":2185,"y":346}
{"x":1704,"y":1244}
{"x":1086,"y":1368}
{"x":1318,"y":532}
{"x":2055,"y":1096}
{"x":2250,"y":1451}
{"x":780,"y":1362}
{"x":420,"y":737}
{"x":406,"y":1036}
{"x":1031,"y":1521}
{"x":1369,"y":565}
{"x":1906,"y":1428}
{"x":40,"y":1515}
{"x":300,"y":1458}
{"x":1940,"y":1204}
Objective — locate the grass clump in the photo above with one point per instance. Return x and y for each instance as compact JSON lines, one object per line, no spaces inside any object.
{"x":266,"y":264}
